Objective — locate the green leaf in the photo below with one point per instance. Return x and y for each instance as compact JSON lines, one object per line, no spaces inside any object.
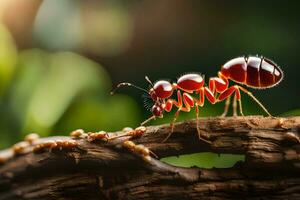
{"x":295,"y":112}
{"x":204,"y":160}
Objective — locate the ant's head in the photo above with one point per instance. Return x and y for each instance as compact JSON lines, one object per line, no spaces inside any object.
{"x":157,"y":110}
{"x":160,"y":90}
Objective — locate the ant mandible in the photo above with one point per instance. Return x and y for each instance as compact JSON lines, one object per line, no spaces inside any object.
{"x":251,"y":71}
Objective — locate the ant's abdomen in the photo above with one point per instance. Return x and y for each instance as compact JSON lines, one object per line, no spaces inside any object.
{"x":256,"y":72}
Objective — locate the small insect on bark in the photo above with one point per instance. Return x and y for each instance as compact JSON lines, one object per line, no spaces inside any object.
{"x":102,"y":135}
{"x":139,"y":149}
{"x":30,"y":138}
{"x":79,"y":133}
{"x":20,"y":147}
{"x":55,"y":145}
{"x":6,"y":155}
{"x":251,"y":71}
{"x":47,"y":145}
{"x":138,"y":132}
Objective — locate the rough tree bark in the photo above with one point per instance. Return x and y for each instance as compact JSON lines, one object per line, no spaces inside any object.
{"x":102,"y":169}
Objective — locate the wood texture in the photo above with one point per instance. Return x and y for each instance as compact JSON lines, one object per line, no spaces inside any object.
{"x":103,"y":169}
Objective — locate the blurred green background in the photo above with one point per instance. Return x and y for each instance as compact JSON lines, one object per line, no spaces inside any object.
{"x":60,"y":59}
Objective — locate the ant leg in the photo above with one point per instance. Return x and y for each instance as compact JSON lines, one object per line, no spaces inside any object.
{"x":185,"y":106}
{"x":178,"y":104}
{"x":233,"y":90}
{"x":147,"y":120}
{"x":227,"y":103}
{"x":241,"y":108}
{"x":197,"y":121}
{"x":172,"y":125}
{"x":198,"y":127}
{"x":234,"y":106}
{"x":255,"y":99}
{"x":209,"y":95}
{"x":237,"y":97}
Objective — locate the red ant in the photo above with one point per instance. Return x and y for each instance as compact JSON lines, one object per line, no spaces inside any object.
{"x":252,"y":71}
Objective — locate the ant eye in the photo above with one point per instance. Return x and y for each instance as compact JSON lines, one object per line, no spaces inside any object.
{"x":163,"y":89}
{"x":157,"y":111}
{"x":153,"y":94}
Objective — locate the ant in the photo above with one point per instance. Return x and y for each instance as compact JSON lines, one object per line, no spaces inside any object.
{"x":55,"y":145}
{"x":251,"y":71}
{"x":139,"y":149}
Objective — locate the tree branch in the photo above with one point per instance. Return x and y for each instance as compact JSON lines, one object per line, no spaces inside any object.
{"x":87,"y":166}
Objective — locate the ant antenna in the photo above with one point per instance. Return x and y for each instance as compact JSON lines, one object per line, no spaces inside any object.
{"x":147,"y":79}
{"x":127,"y":84}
